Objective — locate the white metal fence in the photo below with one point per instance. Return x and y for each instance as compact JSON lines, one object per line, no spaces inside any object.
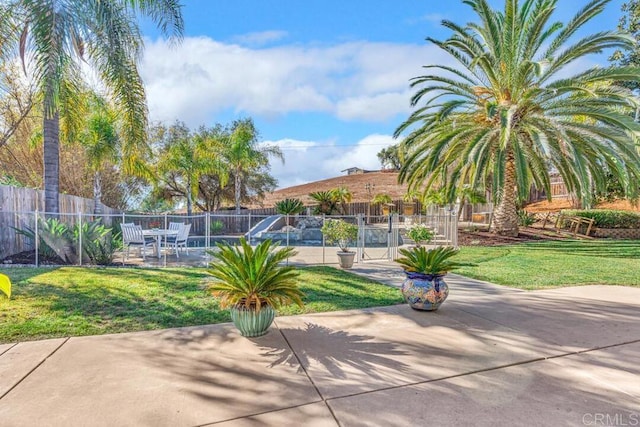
{"x":37,"y":238}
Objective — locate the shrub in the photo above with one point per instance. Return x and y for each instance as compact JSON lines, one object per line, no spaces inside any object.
{"x":420,"y":233}
{"x":340,"y":232}
{"x":608,"y":218}
{"x":216,"y":226}
{"x":525,"y":219}
{"x":57,"y":239}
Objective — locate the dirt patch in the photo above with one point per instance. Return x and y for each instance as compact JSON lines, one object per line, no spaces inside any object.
{"x":29,"y":258}
{"x":485,"y":238}
{"x":557,"y":205}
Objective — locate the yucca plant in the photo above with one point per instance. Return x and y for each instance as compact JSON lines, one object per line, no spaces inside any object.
{"x":253,"y":283}
{"x":429,"y":262}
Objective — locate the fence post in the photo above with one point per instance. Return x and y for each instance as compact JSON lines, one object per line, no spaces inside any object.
{"x":361,"y":236}
{"x":122,"y":237}
{"x":166,"y":226}
{"x":207,"y":224}
{"x":80,"y":238}
{"x":37,"y":241}
{"x":323,"y":242}
{"x":249,"y":231}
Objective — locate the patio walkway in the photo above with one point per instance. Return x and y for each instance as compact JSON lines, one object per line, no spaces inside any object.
{"x":490,"y":356}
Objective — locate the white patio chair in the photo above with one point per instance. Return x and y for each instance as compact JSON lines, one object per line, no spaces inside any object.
{"x":175,"y":226}
{"x":180,"y":239}
{"x":132,"y":236}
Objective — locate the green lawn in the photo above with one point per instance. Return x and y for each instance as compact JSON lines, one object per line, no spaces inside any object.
{"x":73,"y":301}
{"x":553,"y":264}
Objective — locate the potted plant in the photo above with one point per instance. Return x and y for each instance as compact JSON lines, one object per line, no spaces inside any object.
{"x":342,"y":233}
{"x":410,"y":199}
{"x":253,"y":284}
{"x":424,"y":288}
{"x":385,"y":200}
{"x":420,"y":233}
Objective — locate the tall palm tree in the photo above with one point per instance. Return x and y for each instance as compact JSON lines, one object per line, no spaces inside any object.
{"x":507,"y":111}
{"x":101,"y":142}
{"x":56,"y":36}
{"x":242,"y":153}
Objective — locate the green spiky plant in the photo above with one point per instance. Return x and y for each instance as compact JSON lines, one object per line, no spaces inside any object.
{"x":253,"y":278}
{"x":433,"y":261}
{"x":327,"y":203}
{"x":508,"y":109}
{"x":289,"y":206}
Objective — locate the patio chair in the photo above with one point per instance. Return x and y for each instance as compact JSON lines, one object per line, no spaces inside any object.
{"x":132,"y":236}
{"x":174,"y":226}
{"x":180,"y":239}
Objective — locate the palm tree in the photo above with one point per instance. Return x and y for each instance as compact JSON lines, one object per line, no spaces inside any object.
{"x":326,"y":202}
{"x":243,"y":154}
{"x":342,"y":196}
{"x":507,"y":111}
{"x":101,"y":143}
{"x":187,"y":159}
{"x":56,"y":37}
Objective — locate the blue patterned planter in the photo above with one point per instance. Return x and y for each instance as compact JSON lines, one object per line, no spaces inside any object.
{"x":252,"y":323}
{"x":424,"y":291}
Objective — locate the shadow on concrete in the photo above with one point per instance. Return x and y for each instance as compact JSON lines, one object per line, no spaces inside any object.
{"x":334,"y":350}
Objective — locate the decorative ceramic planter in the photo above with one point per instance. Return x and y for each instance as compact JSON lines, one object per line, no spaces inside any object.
{"x":346,"y":259}
{"x":424,"y":291}
{"x":252,"y":323}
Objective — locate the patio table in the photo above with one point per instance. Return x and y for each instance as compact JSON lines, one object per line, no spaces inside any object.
{"x":159,"y":234}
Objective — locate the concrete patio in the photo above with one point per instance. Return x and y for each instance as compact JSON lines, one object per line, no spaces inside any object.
{"x":490,"y":356}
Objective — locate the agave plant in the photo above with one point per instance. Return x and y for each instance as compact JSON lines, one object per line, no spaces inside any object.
{"x":252,"y":278}
{"x":433,"y":261}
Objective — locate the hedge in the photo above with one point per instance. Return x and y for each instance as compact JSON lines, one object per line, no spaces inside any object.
{"x":608,"y":218}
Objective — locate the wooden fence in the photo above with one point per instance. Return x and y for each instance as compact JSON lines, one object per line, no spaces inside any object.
{"x":17,"y":210}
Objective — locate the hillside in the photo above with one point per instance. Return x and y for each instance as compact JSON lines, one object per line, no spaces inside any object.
{"x":382,"y":182}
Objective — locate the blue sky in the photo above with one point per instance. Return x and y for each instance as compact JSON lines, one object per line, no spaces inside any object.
{"x":327,"y":80}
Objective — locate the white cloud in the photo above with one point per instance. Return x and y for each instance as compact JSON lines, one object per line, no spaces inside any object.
{"x":307,"y":161}
{"x":374,"y":108}
{"x":353,"y":81}
{"x":260,"y":38}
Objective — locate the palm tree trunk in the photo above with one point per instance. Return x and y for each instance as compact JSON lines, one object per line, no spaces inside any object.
{"x":189,"y":198}
{"x":97,"y":194}
{"x":237,"y":195}
{"x":505,"y":216}
{"x":51,"y":156}
{"x":237,"y":184}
